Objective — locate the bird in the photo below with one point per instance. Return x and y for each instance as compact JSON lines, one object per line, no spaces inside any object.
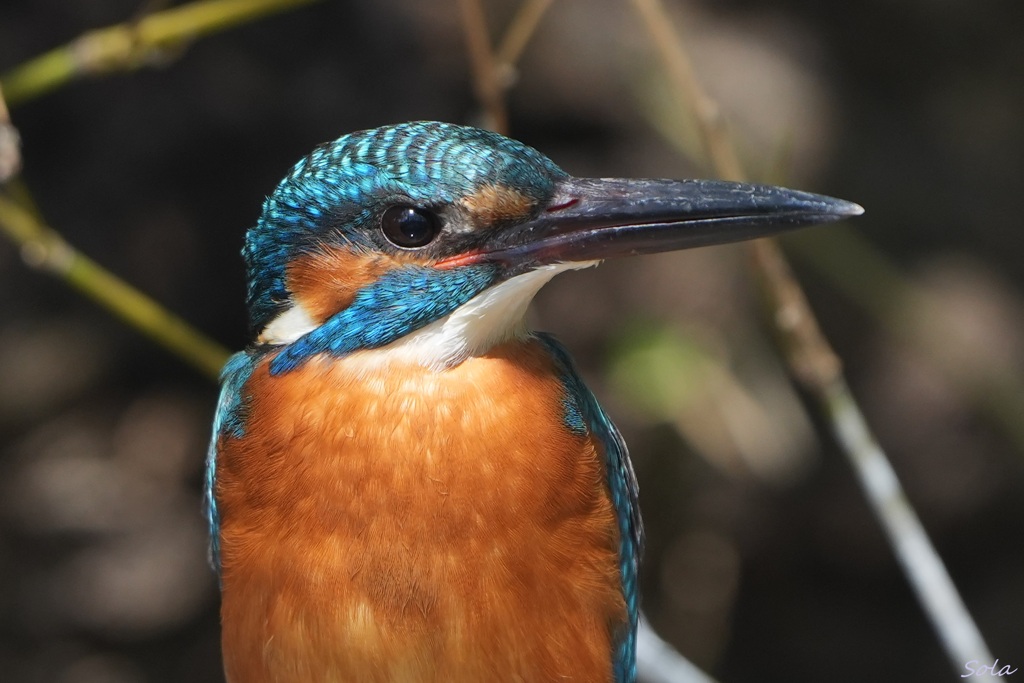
{"x":405,"y":482}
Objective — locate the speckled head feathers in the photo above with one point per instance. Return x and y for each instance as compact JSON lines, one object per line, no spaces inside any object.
{"x":336,"y":195}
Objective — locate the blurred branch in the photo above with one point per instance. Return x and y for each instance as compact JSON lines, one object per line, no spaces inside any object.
{"x":865,"y":275}
{"x":658,"y":662}
{"x":520,"y":30}
{"x":493,"y":74}
{"x":819,"y":370}
{"x":10,"y":144}
{"x":688,"y":91}
{"x":486,"y":84}
{"x":44,"y":249}
{"x":148,"y":41}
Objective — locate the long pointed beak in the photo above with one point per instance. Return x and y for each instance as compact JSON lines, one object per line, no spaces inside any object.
{"x":591,"y":219}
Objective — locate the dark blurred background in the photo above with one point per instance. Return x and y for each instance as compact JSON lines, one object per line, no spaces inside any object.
{"x":764,"y":562}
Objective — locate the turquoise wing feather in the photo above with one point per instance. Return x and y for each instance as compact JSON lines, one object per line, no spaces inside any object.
{"x":227,"y":420}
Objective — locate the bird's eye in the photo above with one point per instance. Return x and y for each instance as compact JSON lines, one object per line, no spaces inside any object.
{"x":409,"y":227}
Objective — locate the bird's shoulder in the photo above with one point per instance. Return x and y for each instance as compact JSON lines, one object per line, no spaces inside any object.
{"x":586,"y":413}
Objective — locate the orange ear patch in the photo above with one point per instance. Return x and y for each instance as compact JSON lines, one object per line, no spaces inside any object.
{"x":326,"y":281}
{"x":493,"y":203}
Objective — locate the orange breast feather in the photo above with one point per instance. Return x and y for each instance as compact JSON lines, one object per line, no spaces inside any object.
{"x":401,"y":524}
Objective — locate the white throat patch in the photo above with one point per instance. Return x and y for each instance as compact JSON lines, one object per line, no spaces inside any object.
{"x":493,"y":316}
{"x":287,"y":327}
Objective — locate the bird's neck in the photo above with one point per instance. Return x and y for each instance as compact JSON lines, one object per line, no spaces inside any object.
{"x":471,"y":329}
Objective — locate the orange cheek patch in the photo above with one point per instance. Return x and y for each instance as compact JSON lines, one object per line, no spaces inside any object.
{"x":326,"y":281}
{"x":493,"y":203}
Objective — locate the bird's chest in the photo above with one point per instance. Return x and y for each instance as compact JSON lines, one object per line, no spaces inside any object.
{"x":383,"y":523}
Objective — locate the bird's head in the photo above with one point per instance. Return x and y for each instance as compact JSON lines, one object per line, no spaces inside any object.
{"x":432,"y":238}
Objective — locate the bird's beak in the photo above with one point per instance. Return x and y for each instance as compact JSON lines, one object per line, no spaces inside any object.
{"x":590,"y":219}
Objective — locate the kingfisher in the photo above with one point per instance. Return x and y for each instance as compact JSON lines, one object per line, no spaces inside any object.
{"x":405,"y":483}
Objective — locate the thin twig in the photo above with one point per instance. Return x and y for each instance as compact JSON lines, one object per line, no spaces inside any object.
{"x":881,"y":288}
{"x":688,"y":90}
{"x":493,"y":73}
{"x":819,"y":369}
{"x":520,"y":30}
{"x":960,"y":636}
{"x":481,"y":57}
{"x":144,"y":41}
{"x":44,"y":249}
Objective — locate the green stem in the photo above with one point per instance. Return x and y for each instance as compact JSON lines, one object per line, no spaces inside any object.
{"x":46,"y":250}
{"x":132,"y":45}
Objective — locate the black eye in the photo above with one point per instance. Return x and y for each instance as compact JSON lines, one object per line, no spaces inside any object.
{"x":409,"y":227}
